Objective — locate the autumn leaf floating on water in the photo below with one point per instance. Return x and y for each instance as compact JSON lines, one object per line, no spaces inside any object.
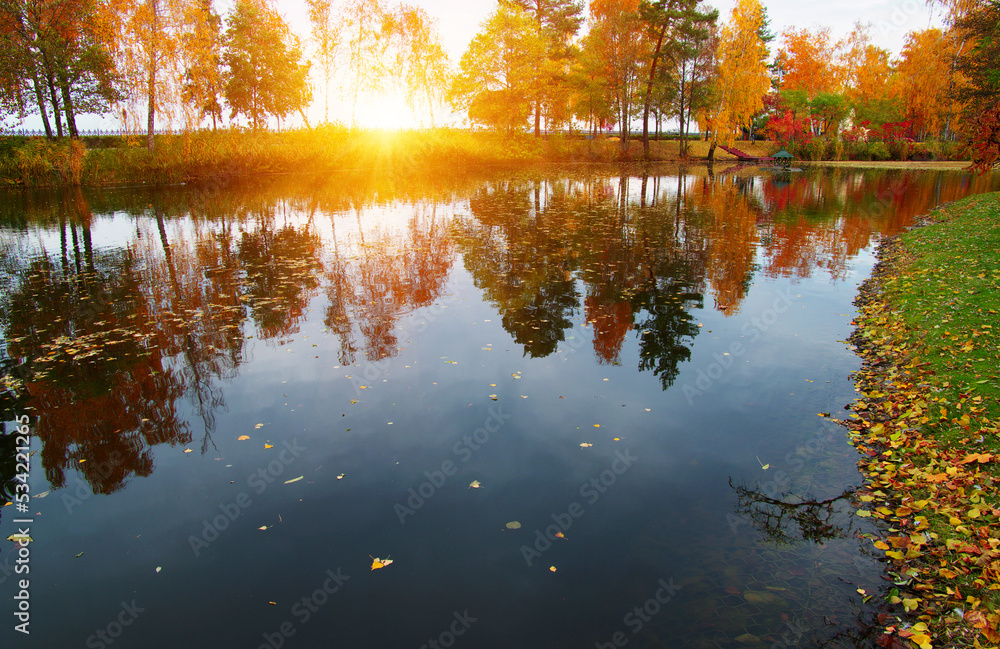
{"x":513,"y":525}
{"x":475,"y":484}
{"x":379,"y":563}
{"x":242,"y":438}
{"x":294,"y":479}
{"x":586,"y":445}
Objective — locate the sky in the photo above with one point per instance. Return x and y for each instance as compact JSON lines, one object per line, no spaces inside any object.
{"x":459,"y":21}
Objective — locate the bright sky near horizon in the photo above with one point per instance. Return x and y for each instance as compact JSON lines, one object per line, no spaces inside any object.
{"x":458,"y":22}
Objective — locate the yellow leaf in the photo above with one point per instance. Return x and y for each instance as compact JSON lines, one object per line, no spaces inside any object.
{"x":268,"y":445}
{"x":294,"y":479}
{"x":881,"y":545}
{"x":513,"y":525}
{"x":895,"y":554}
{"x":586,"y":445}
{"x":863,"y":513}
{"x":552,"y":568}
{"x":242,"y":438}
{"x":910,"y":604}
{"x":379,"y":563}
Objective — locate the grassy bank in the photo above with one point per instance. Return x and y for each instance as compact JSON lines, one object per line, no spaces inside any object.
{"x":928,"y":422}
{"x":194,"y":156}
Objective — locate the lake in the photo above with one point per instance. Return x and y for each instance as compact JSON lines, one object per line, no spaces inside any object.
{"x":550,"y":407}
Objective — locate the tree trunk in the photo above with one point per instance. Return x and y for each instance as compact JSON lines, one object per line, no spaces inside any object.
{"x":711,"y":151}
{"x":623,"y":140}
{"x":40,"y":98}
{"x":68,"y":105}
{"x":683,"y":134}
{"x":55,"y":104}
{"x":538,"y":115}
{"x":649,"y":93}
{"x":151,"y":108}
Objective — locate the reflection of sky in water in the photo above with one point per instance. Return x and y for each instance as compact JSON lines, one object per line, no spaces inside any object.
{"x":755,"y":363}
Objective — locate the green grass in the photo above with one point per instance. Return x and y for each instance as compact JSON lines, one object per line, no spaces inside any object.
{"x":949,"y":297}
{"x":928,"y":420}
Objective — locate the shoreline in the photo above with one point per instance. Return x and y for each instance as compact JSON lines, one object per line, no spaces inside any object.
{"x":926,"y":423}
{"x":210,"y":155}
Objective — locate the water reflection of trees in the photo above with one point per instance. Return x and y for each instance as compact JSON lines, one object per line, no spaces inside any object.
{"x":119,"y":344}
{"x":788,"y":518}
{"x":110,"y":343}
{"x":535,"y":248}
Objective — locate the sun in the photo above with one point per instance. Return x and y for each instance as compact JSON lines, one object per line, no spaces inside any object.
{"x":389,"y":111}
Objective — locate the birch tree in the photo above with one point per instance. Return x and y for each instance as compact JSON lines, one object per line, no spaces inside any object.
{"x":743,"y":75}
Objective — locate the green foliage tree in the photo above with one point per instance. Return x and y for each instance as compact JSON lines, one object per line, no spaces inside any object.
{"x":979,"y":65}
{"x":673,"y":28}
{"x":266,"y":74}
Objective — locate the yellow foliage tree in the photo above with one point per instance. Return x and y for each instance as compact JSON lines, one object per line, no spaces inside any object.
{"x":743,"y":75}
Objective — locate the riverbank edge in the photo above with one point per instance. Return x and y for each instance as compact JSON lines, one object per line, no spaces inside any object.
{"x":936,"y":496}
{"x":207,"y":156}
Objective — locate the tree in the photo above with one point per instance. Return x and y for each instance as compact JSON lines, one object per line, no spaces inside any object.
{"x":986,"y":141}
{"x":421,"y":60}
{"x":497,"y":72}
{"x":810,"y":67}
{"x":978,"y":65}
{"x":617,"y":36}
{"x":55,"y":46}
{"x":266,"y":73}
{"x":144,"y":38}
{"x":672,"y":25}
{"x":202,"y":51}
{"x":809,"y":61}
{"x":922,"y":85}
{"x":695,"y":65}
{"x":743,"y":74}
{"x":326,"y":35}
{"x":556,"y":24}
{"x":867,"y":71}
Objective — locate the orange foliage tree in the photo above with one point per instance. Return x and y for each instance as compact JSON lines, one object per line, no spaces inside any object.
{"x":923,"y":80}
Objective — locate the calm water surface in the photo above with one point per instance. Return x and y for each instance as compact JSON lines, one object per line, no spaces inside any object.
{"x":575,"y":408}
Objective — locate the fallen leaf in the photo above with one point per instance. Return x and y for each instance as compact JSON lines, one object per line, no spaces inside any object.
{"x":379,"y":563}
{"x":475,"y":484}
{"x":513,"y":525}
{"x":294,"y":479}
{"x":341,"y":476}
{"x":552,"y":568}
{"x":268,"y":445}
{"x":586,"y":445}
{"x":242,"y":438}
